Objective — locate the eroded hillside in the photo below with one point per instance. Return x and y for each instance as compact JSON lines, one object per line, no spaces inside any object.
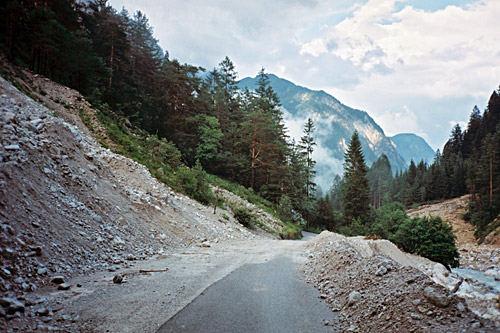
{"x":475,"y":256}
{"x":70,"y":206}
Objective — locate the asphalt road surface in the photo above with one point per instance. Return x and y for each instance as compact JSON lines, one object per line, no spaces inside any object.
{"x":265,"y":297}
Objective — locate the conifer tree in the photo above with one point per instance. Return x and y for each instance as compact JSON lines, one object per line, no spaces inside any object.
{"x":355,"y":192}
{"x":379,"y":177}
{"x":306,"y":146}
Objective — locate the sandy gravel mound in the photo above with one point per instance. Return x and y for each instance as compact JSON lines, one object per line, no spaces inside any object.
{"x":377,"y":288}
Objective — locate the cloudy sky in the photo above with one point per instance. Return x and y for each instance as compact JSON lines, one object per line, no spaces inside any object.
{"x":415,"y":66}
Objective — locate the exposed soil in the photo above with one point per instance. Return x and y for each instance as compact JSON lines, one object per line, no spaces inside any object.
{"x":481,"y":257}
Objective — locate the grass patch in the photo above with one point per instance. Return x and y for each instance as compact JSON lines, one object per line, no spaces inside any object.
{"x":245,"y":193}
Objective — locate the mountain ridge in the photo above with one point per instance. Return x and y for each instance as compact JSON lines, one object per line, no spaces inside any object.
{"x":335,"y":123}
{"x":413,"y":147}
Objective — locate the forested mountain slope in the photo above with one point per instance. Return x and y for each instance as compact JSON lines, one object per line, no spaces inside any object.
{"x":335,"y":123}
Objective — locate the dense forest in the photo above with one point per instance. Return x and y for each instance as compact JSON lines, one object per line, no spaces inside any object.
{"x":199,"y":118}
{"x":469,"y":164}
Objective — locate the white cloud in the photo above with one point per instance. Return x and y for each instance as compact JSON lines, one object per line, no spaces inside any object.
{"x":441,"y":53}
{"x":376,"y":55}
{"x":316,"y":47}
{"x":326,"y":166}
{"x":402,"y":121}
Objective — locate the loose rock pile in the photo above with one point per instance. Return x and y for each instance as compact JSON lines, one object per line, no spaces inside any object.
{"x":69,"y":206}
{"x":374,"y":293}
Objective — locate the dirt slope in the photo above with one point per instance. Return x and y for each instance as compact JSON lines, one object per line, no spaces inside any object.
{"x":474,"y":256}
{"x":451,"y":211}
{"x":69,"y":206}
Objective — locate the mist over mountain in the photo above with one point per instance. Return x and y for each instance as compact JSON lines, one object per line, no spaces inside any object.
{"x":413,"y":147}
{"x":335,"y":123}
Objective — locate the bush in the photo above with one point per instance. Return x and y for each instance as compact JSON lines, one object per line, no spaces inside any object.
{"x":285,"y":208}
{"x":288,"y":214}
{"x":429,"y":237}
{"x":388,"y":219}
{"x":244,"y":216}
{"x":356,"y":228}
{"x":194,"y":184}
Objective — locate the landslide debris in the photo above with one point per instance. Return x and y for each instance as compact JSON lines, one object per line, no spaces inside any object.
{"x":472,"y":255}
{"x":377,"y":288}
{"x":69,"y":206}
{"x":484,"y":257}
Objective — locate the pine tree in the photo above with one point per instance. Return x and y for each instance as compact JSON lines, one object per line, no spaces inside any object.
{"x":355,"y":192}
{"x":306,"y":146}
{"x":379,"y":178}
{"x":266,"y":138}
{"x":471,"y":143}
{"x":335,"y":193}
{"x":295,"y":178}
{"x":208,"y":148}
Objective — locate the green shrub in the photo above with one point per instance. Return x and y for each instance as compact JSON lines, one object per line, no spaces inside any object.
{"x":285,"y":208}
{"x":356,"y":228}
{"x":429,"y":237}
{"x":193,"y":182}
{"x":388,"y":219}
{"x":244,"y":216}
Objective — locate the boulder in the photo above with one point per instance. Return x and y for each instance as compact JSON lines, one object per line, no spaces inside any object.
{"x":436,"y":298}
{"x":118,"y":279}
{"x":382,"y":270}
{"x":354,"y":297}
{"x":11,"y":305}
{"x":64,"y":286}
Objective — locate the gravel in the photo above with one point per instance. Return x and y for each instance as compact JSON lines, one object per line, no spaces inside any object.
{"x":347,"y":271}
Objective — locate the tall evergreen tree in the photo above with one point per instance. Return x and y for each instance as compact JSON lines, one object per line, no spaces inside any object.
{"x":379,"y":178}
{"x":355,"y":192}
{"x":306,"y":146}
{"x":266,"y":136}
{"x":471,"y":142}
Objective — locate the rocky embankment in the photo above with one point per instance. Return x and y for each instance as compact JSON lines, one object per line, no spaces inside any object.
{"x":377,"y":288}
{"x":483,"y":258}
{"x":69,"y":206}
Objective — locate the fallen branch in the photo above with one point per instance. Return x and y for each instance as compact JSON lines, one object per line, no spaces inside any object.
{"x":152,"y":270}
